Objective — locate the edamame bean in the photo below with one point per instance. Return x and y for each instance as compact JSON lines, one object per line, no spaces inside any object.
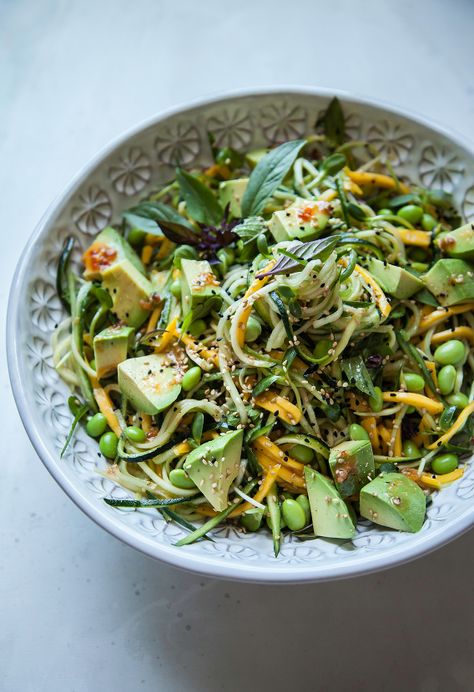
{"x":446,"y":379}
{"x":411,"y":213}
{"x":410,"y":449}
{"x":357,"y":432}
{"x":252,"y":519}
{"x":191,"y":378}
{"x":303,"y":501}
{"x":321,"y":349}
{"x":459,"y":400}
{"x":428,"y":222}
{"x":180,"y":479}
{"x":96,"y":425}
{"x":384,"y":212}
{"x":253,"y":329}
{"x":413,"y":382}
{"x":376,"y":402}
{"x":304,"y":455}
{"x":108,"y":445}
{"x":294,"y":515}
{"x":445,"y":463}
{"x":451,"y":352}
{"x":136,"y":236}
{"x":175,"y":288}
{"x":197,"y":328}
{"x":135,"y":434}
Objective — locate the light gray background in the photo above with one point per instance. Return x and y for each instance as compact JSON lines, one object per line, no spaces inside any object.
{"x":79,"y":611}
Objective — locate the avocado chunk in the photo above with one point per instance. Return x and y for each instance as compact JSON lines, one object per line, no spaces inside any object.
{"x":458,"y":243}
{"x":149,"y":382}
{"x":129,"y":291}
{"x":331,"y":516}
{"x":214,"y":466}
{"x":352,"y":466}
{"x":111,"y":346}
{"x":395,"y":501}
{"x":108,"y":248}
{"x":158,"y":280}
{"x":303,"y":220}
{"x":231,"y":193}
{"x":199,"y":288}
{"x":395,"y":281}
{"x":451,"y":281}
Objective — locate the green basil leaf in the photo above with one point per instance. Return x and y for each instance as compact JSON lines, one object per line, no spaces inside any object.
{"x":334,"y":123}
{"x":264,"y":384}
{"x":301,"y":254}
{"x":174,"y":226}
{"x":254,"y":434}
{"x":142,"y":223}
{"x":358,"y":375}
{"x":250,"y":228}
{"x":268,"y":175}
{"x":401,"y":200}
{"x":201,"y":202}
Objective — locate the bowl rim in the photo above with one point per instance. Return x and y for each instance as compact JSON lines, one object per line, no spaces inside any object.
{"x":199,"y":563}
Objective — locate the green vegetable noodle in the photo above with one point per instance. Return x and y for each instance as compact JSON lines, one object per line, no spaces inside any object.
{"x":280,"y":340}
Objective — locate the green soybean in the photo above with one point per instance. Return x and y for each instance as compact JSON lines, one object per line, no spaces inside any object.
{"x":135,"y":434}
{"x":294,"y":515}
{"x":376,"y":402}
{"x":303,"y":502}
{"x":96,"y":425}
{"x":446,"y":379}
{"x":384,"y":212}
{"x":428,"y":222}
{"x":322,"y":348}
{"x":411,"y":213}
{"x":197,"y":328}
{"x":413,"y":382}
{"x":451,"y":352}
{"x":445,"y":463}
{"x":108,"y":445}
{"x":180,"y":479}
{"x":175,"y":288}
{"x":253,"y":329}
{"x":357,"y":432}
{"x":459,"y":400}
{"x":252,"y":519}
{"x":136,"y":236}
{"x":304,"y":455}
{"x":191,"y":378}
{"x":410,"y":449}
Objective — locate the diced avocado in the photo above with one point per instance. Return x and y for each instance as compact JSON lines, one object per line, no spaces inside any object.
{"x":395,"y":281}
{"x":255,"y":156}
{"x":302,"y":220}
{"x":199,"y":287}
{"x":451,"y":281}
{"x":458,"y":243}
{"x":214,"y":466}
{"x":149,"y":382}
{"x":231,"y":193}
{"x":108,"y":248}
{"x":331,"y":516}
{"x":352,"y":466}
{"x":158,"y":281}
{"x":111,"y":346}
{"x":395,"y":501}
{"x":129,"y":291}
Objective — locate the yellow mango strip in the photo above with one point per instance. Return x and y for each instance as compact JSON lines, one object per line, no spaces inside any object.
{"x":267,"y":483}
{"x":270,"y":449}
{"x":146,"y":422}
{"x":382,"y":302}
{"x":281,"y":407}
{"x":385,"y":436}
{"x":456,"y":426}
{"x":327,"y":196}
{"x":286,"y":476}
{"x":209,"y":435}
{"x":431,"y":366}
{"x":377,"y":179}
{"x":437,"y":482}
{"x":369,"y":424}
{"x":167,"y":337}
{"x":412,"y":399}
{"x":151,"y":239}
{"x":297,"y":364}
{"x":165,"y":249}
{"x":253,"y":288}
{"x":443,"y":314}
{"x":206,"y":353}
{"x":351,"y":186}
{"x":181,"y":448}
{"x":456,"y":333}
{"x":153,"y":319}
{"x":147,"y":252}
{"x":413,"y":237}
{"x":106,"y":406}
{"x":218,"y":169}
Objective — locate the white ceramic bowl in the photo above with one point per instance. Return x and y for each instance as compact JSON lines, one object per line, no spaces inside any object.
{"x":120,"y":175}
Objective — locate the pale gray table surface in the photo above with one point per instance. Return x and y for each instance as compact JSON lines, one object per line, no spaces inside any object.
{"x":79,"y":611}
